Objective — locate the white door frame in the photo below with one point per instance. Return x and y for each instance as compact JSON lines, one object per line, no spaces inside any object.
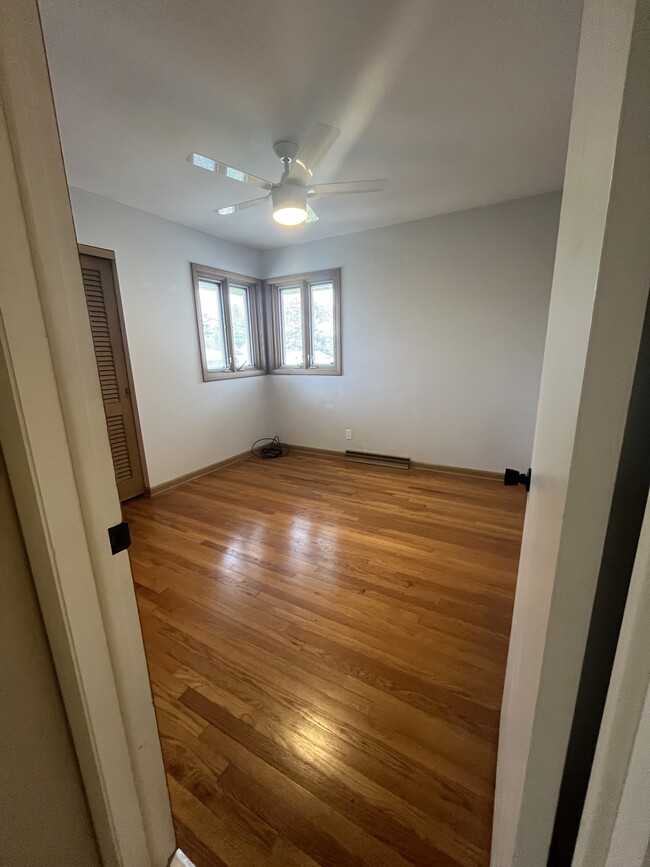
{"x":54,"y":437}
{"x":598,"y":302}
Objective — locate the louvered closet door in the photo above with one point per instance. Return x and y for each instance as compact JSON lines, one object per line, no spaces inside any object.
{"x":113,"y":378}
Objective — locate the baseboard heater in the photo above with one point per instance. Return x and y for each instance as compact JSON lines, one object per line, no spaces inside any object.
{"x":379,"y":460}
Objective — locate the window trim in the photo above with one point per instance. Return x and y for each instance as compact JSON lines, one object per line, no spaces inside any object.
{"x":256,"y":318}
{"x":305,"y":280}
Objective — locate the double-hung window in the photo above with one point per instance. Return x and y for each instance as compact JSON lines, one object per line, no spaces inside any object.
{"x":229,"y":319}
{"x":306,"y":323}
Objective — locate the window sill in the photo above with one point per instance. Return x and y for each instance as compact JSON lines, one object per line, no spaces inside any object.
{"x":306,"y":371}
{"x":230,"y":374}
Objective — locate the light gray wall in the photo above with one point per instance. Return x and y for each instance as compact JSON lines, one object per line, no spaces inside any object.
{"x":443,"y":333}
{"x":186,"y":423}
{"x":43,"y":813}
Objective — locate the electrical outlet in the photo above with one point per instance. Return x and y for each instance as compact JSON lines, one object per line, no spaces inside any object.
{"x":348,"y":434}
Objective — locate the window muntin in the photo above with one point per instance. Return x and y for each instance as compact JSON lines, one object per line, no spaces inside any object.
{"x":306,"y":323}
{"x":229,"y":320}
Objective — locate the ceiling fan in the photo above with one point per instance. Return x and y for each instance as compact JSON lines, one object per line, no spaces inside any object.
{"x":289,"y":196}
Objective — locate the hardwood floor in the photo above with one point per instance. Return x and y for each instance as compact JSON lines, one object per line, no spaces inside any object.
{"x":327,"y":646}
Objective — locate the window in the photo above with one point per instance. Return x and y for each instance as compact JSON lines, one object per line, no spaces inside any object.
{"x":229,"y":318}
{"x":306,"y":323}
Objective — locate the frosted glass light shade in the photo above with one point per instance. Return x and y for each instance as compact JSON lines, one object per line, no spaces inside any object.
{"x":290,"y":203}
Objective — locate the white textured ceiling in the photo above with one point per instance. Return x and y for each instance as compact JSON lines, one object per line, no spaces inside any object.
{"x":458,"y":103}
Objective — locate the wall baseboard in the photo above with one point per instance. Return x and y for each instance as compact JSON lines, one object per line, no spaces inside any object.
{"x":196,"y":474}
{"x":325,"y":453}
{"x":489,"y":475}
{"x":415,"y":465}
{"x":309,"y":450}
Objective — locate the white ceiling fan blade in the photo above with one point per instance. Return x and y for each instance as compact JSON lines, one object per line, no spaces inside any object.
{"x":242,"y":206}
{"x":345,"y":187}
{"x":320,"y":140}
{"x":228,"y":171}
{"x":312,"y":216}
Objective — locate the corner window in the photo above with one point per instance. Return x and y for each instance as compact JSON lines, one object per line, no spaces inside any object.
{"x":306,"y":323}
{"x":229,"y":319}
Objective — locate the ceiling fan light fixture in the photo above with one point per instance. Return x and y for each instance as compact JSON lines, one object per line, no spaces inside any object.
{"x":289,"y":196}
{"x":289,"y":203}
{"x":290,"y":216}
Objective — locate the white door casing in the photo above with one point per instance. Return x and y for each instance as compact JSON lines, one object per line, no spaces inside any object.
{"x":600,"y":289}
{"x":39,"y":465}
{"x":59,"y":463}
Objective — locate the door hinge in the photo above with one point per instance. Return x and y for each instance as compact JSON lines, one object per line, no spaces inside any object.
{"x":119,"y":537}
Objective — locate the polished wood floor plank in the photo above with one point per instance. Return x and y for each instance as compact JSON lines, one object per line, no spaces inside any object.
{"x":327,"y":647}
{"x":216,"y":831}
{"x":318,"y":770}
{"x":303,"y":808}
{"x":282,"y":721}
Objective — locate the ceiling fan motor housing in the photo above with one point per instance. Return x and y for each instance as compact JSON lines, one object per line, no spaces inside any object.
{"x":285,"y":150}
{"x":290,"y":194}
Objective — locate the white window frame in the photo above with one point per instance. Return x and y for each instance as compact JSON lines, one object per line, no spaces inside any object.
{"x":224,"y":279}
{"x":274,"y":286}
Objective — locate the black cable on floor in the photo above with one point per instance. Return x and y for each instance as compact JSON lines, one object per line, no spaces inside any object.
{"x":273,"y":449}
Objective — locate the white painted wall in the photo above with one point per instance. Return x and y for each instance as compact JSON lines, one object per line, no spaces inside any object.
{"x":186,"y":423}
{"x":630,"y":842}
{"x":615,"y":824}
{"x":630,"y":845}
{"x":443,"y":334}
